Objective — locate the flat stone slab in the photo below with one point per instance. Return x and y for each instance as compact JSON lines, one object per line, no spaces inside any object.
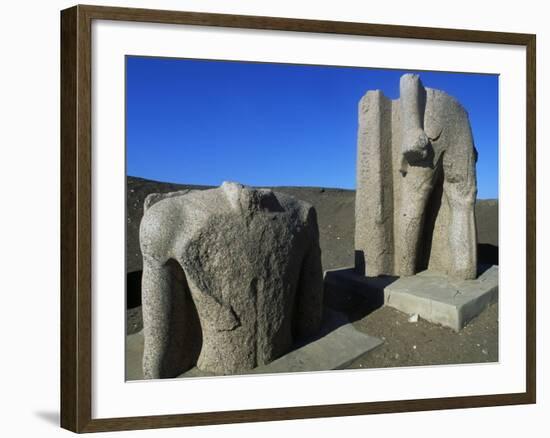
{"x":440,"y":300}
{"x":335,"y":347}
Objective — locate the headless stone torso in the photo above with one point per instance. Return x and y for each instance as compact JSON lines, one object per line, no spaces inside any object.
{"x":250,"y":266}
{"x":234,"y":266}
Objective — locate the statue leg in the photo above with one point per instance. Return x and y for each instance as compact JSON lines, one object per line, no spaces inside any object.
{"x":166,"y":324}
{"x":416,"y":189}
{"x":460,"y":195}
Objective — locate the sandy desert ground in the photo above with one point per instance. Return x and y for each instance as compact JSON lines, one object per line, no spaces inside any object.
{"x":405,"y":343}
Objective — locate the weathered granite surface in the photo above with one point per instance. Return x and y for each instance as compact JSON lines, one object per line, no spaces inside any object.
{"x":416,"y":184}
{"x":231,"y":276}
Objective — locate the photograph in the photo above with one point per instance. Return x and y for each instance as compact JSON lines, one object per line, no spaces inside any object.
{"x":274,"y":219}
{"x":288,"y":218}
{"x":267,"y":218}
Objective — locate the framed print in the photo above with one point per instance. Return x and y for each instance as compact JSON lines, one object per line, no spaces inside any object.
{"x":268,"y":218}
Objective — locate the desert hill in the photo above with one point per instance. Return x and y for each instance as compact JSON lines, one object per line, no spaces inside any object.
{"x":335,"y":212}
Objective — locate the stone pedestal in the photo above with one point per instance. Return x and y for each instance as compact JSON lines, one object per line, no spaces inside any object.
{"x":437,"y":299}
{"x":432,"y":296}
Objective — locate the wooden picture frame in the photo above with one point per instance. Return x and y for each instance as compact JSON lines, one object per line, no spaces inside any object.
{"x":76,"y":217}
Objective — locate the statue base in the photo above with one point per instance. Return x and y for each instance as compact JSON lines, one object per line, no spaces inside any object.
{"x":431,"y":296}
{"x":336,"y":346}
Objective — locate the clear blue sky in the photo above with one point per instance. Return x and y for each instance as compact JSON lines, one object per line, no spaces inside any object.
{"x":203,"y":122}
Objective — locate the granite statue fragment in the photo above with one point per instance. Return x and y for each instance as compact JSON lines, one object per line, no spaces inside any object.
{"x":416,"y":184}
{"x":231,"y":277}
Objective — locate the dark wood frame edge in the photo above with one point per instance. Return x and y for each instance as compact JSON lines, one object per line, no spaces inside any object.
{"x":76,"y":223}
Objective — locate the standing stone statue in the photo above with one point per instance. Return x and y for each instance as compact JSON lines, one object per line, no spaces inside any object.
{"x":416,"y":184}
{"x":231,"y":276}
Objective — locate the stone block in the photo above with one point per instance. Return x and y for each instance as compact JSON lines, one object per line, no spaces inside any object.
{"x":438,"y":299}
{"x":431,"y":295}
